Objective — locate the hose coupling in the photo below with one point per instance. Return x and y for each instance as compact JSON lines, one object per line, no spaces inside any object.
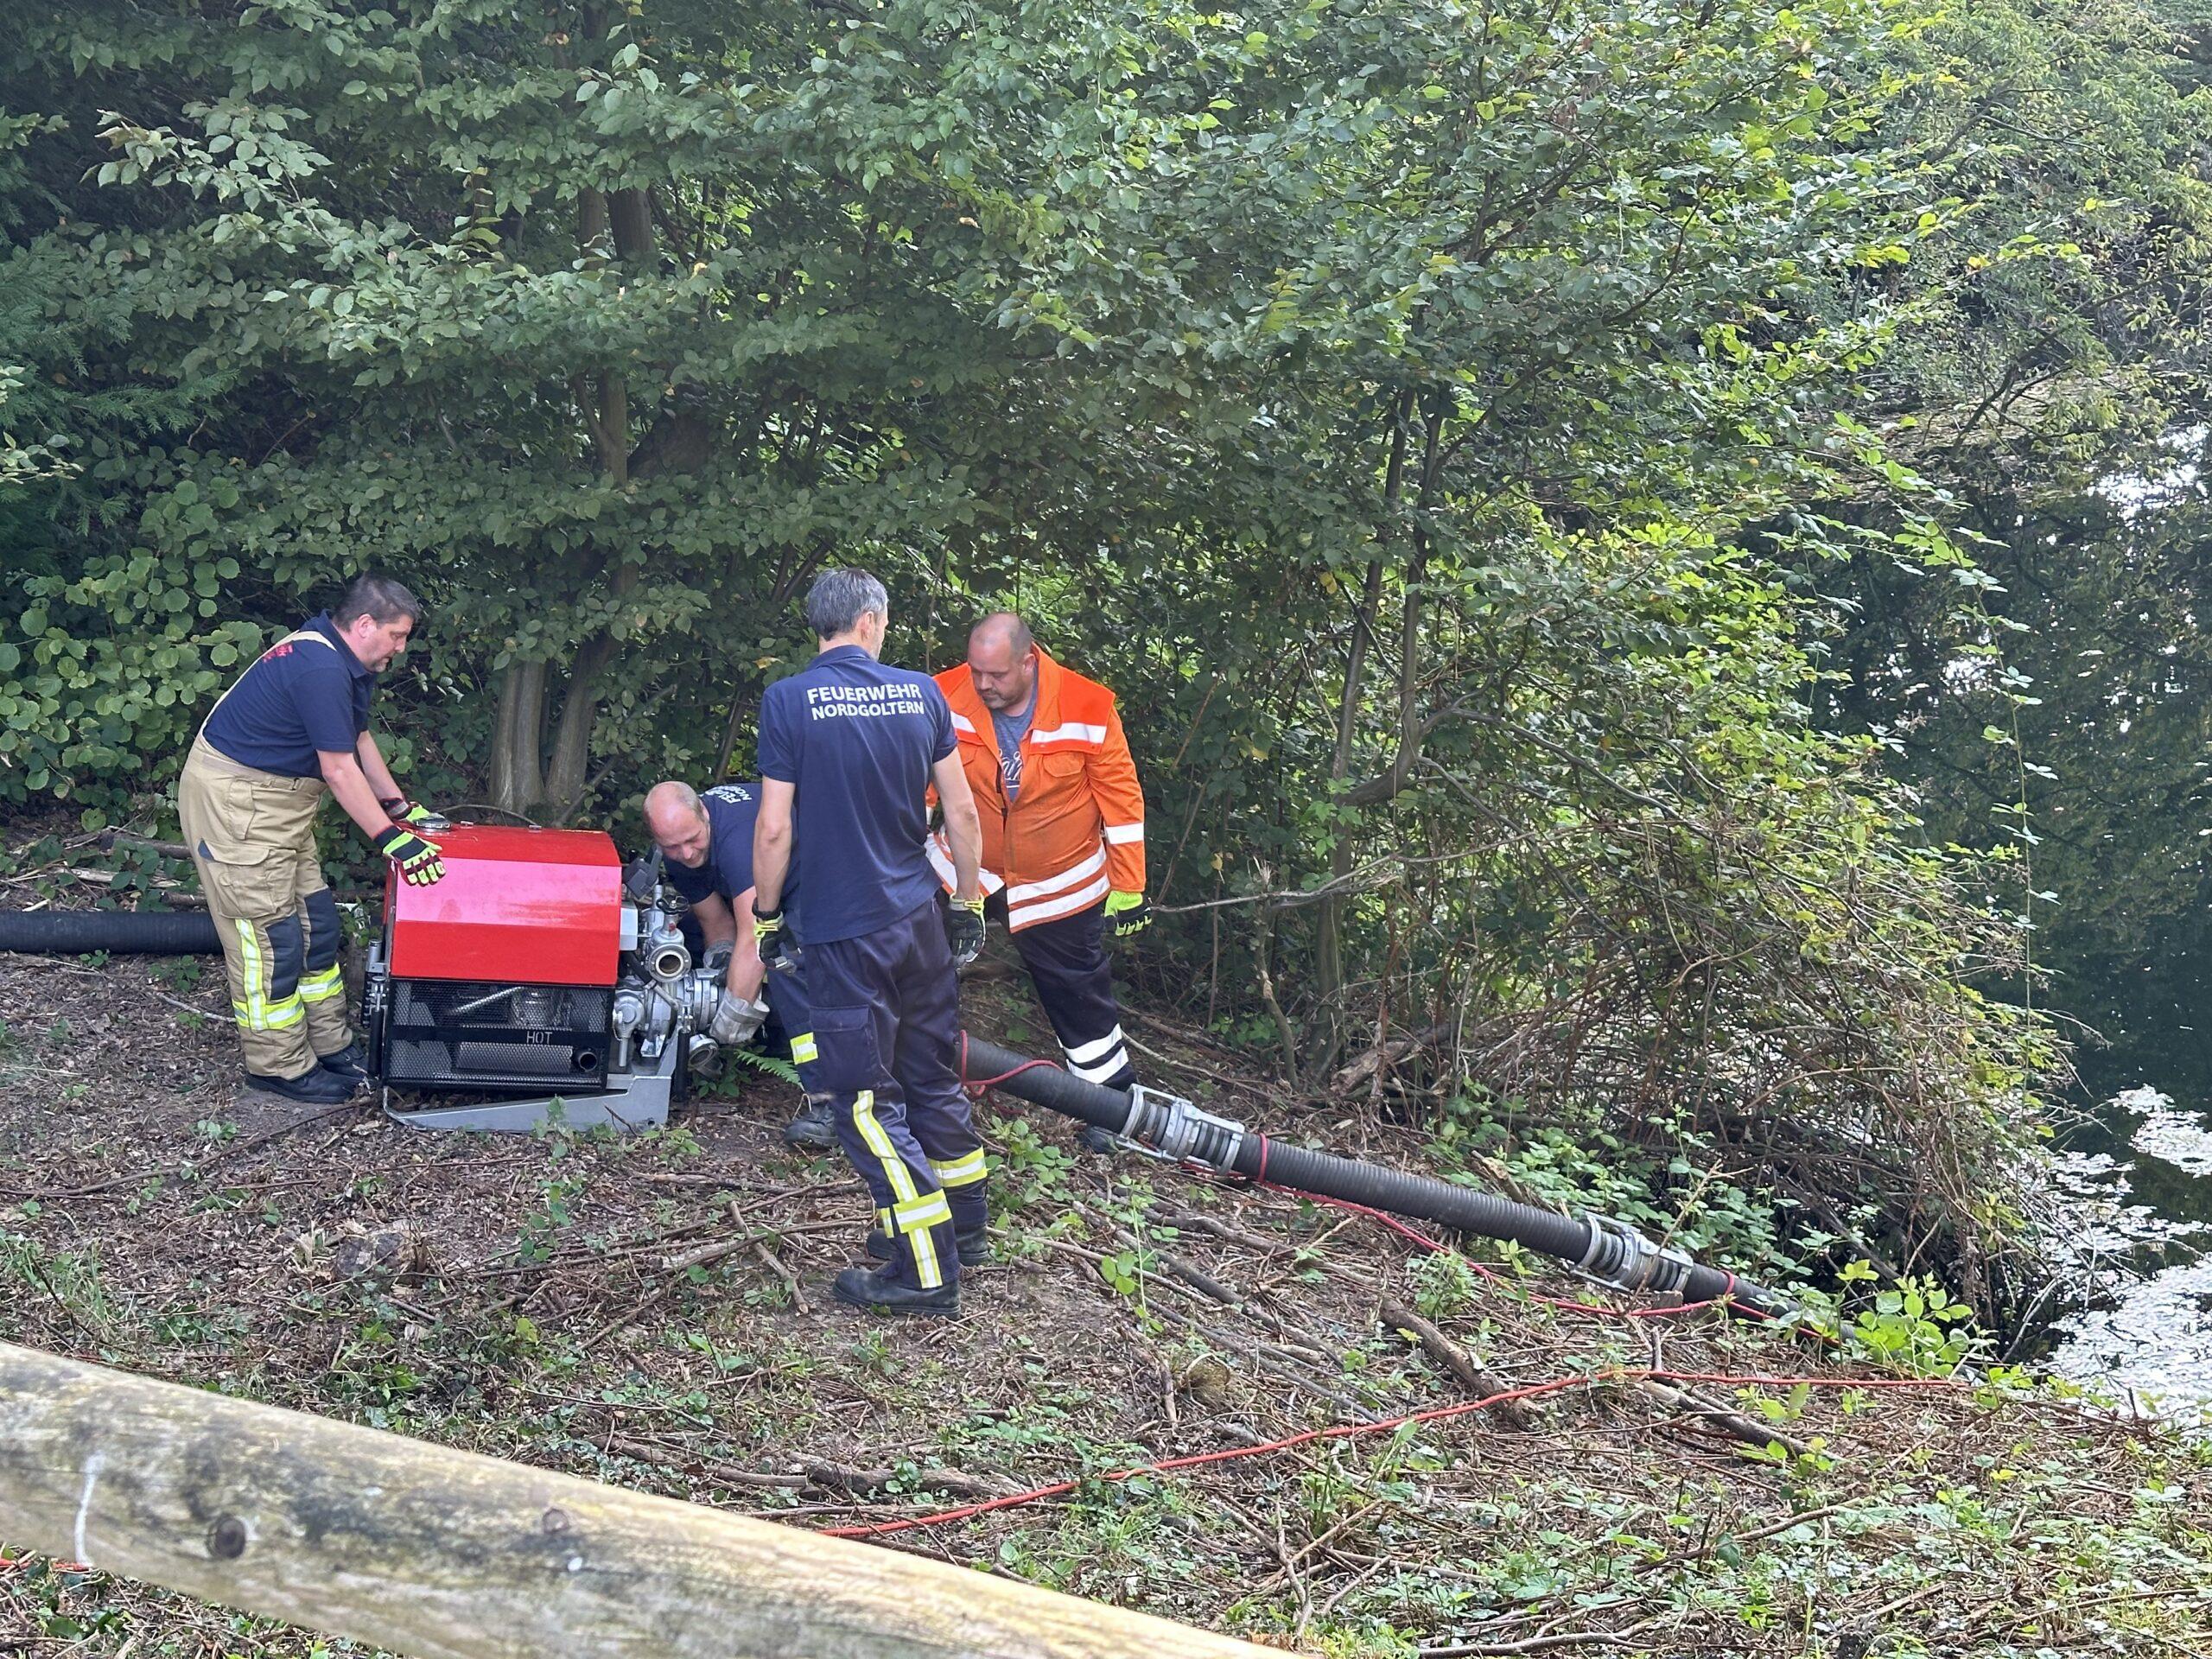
{"x":1172,"y":1127}
{"x":1624,"y":1258}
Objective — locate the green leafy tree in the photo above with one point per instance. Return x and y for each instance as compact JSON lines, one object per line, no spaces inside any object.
{"x":606,"y":326}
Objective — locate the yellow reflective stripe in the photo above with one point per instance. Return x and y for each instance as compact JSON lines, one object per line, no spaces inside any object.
{"x":802,"y":1049}
{"x":918,"y":1220}
{"x":908,"y":1212}
{"x":290,"y":1012}
{"x":895,"y":1166}
{"x":257,"y":1002}
{"x":961,"y":1171}
{"x":319,"y":987}
{"x":927,"y":1268}
{"x":916,"y":1214}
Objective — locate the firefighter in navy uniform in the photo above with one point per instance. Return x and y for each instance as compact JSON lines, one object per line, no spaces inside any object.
{"x":293,"y":726}
{"x":848,"y":750}
{"x":706,"y":844}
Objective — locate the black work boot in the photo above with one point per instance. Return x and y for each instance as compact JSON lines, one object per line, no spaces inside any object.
{"x":349,"y":1062}
{"x":816,"y":1126}
{"x":880,"y":1292}
{"x":973,"y":1247}
{"x":1091,"y":1138}
{"x":317,"y":1088}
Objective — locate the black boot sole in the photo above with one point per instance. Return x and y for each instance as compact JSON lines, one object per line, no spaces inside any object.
{"x":289,"y":1089}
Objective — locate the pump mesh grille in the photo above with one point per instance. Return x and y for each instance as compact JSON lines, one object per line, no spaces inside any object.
{"x":484,"y":1037}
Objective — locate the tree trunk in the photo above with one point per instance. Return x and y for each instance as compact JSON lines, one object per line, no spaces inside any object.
{"x":569,"y":771}
{"x":517,"y":784}
{"x":604,"y":402}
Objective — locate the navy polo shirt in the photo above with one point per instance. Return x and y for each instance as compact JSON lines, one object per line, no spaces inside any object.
{"x":856,"y":740}
{"x":727,"y":871}
{"x":299,"y":698}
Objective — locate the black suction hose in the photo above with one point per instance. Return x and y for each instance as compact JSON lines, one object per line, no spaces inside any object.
{"x":73,"y":932}
{"x":1607,"y":1249}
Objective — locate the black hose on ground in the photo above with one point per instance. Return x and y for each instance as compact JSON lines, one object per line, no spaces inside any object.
{"x":1609,"y":1250}
{"x":73,"y":932}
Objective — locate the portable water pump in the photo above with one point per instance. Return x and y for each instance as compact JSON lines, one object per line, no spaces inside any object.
{"x":533,"y":973}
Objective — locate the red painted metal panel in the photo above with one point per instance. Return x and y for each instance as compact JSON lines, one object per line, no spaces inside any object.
{"x":530,"y":906}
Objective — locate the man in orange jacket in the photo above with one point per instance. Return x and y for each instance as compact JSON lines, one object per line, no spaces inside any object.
{"x":1063,"y":829}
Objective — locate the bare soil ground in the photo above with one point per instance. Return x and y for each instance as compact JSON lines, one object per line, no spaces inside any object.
{"x":655,"y":1311}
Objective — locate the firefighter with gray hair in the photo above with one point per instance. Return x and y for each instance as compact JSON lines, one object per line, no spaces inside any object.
{"x":849,"y":748}
{"x":292,"y":728}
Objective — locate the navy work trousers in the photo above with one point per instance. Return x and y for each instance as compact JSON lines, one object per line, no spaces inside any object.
{"x":787,"y":1002}
{"x":886,"y":1026}
{"x":1068,"y":962}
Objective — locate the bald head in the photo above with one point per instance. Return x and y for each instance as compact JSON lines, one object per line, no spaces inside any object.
{"x":1002,"y":662}
{"x":676,"y":820}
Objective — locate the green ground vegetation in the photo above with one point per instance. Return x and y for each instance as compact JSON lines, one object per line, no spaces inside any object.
{"x":653,"y":1312}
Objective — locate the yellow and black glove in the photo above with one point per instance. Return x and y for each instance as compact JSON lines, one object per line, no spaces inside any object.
{"x":780,"y":950}
{"x":963,"y":930}
{"x":1127,"y":914}
{"x":416,"y":858}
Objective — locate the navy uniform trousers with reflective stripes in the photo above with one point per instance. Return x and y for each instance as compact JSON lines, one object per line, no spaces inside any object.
{"x":886,"y":1027}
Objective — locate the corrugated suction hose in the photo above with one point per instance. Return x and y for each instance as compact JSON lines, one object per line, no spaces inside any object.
{"x":1607,"y":1249}
{"x":73,"y":932}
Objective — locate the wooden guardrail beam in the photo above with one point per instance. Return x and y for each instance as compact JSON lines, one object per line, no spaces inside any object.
{"x":448,"y":1554}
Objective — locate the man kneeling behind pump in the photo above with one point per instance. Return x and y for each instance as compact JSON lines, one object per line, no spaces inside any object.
{"x":706,"y":844}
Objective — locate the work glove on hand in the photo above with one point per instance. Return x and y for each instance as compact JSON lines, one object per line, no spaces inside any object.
{"x":1127,"y":914}
{"x":736,"y":1019}
{"x":416,"y":858}
{"x":780,"y":951}
{"x":413,"y":815}
{"x":963,"y":930}
{"x":716,"y":959}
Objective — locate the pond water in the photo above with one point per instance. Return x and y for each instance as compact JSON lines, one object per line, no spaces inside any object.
{"x":2140,"y":1169}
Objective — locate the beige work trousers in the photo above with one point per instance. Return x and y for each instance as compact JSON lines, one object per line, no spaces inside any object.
{"x":252,"y":839}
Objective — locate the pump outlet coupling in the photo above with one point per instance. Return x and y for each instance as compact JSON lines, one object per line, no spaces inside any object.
{"x":1171,"y":1126}
{"x":1621,"y":1256}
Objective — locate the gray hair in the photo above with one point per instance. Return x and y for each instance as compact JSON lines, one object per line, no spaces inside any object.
{"x":378,"y":597}
{"x":839,"y":599}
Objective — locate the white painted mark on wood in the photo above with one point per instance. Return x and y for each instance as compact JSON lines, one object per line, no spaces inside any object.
{"x":85,"y":1503}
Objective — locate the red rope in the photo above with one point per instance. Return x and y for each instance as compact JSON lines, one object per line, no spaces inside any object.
{"x":1437,"y":1414}
{"x":1345,"y":1431}
{"x":977,"y":1085}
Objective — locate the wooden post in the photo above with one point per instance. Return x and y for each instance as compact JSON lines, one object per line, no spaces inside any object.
{"x":448,"y":1554}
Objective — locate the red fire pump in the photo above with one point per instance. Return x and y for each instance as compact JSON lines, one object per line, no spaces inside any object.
{"x":532,"y":974}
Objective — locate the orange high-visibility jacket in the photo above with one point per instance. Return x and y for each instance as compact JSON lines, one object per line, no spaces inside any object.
{"x":1075,"y":831}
